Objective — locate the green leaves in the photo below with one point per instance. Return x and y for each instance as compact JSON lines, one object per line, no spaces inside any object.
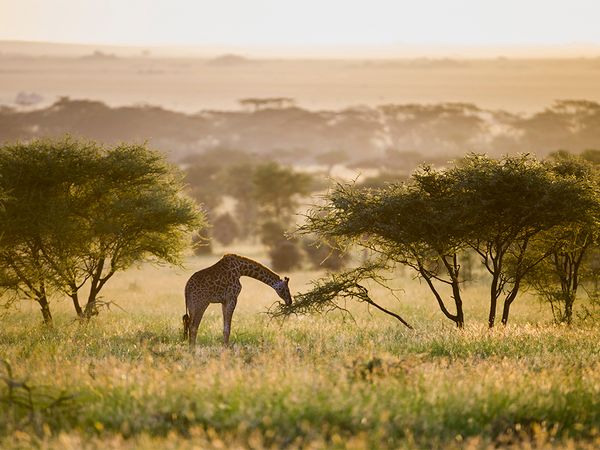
{"x":326,"y":292}
{"x":79,"y":212}
{"x":494,"y":207}
{"x":275,"y":188}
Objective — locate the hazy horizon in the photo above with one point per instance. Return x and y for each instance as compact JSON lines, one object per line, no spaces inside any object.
{"x":337,"y":57}
{"x":378,"y":28}
{"x":389,"y":51}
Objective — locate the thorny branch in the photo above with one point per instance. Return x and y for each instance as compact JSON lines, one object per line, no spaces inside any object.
{"x":327,"y":292}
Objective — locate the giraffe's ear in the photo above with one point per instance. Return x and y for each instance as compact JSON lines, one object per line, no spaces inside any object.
{"x":286,"y":279}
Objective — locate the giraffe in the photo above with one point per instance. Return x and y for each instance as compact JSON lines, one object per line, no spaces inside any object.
{"x":220,"y":283}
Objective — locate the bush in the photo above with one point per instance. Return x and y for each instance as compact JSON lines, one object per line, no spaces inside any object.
{"x":323,"y":256}
{"x":225,"y":229}
{"x":285,"y":256}
{"x":272,"y":233}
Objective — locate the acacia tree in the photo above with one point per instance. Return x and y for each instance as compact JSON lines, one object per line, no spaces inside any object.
{"x":558,"y":277}
{"x":422,"y":223}
{"x":494,"y":207}
{"x":39,"y":177}
{"x":276,"y":189}
{"x":507,"y":203}
{"x":79,"y":213}
{"x":415,"y":224}
{"x":226,"y":229}
{"x":238,"y":182}
{"x":207,"y":175}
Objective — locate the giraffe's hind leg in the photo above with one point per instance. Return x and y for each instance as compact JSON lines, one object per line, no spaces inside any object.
{"x":228,"y":308}
{"x":194,"y":321}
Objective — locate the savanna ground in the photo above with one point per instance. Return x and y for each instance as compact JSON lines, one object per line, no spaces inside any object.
{"x":128,"y":380}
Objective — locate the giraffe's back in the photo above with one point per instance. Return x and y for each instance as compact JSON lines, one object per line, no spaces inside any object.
{"x":214,"y":284}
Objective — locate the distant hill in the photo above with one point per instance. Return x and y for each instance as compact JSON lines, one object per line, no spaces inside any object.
{"x":368,"y":136}
{"x":52,"y":49}
{"x":575,"y":50}
{"x":229,"y":60}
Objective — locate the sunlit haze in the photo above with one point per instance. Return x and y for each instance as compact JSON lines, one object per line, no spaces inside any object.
{"x":285,"y":24}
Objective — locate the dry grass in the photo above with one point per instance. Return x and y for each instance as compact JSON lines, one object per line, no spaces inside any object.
{"x":308,"y":382}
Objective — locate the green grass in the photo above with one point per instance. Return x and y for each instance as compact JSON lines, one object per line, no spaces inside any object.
{"x":128,"y":381}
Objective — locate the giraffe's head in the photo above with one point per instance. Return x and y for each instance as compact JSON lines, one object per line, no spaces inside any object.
{"x":283,"y":290}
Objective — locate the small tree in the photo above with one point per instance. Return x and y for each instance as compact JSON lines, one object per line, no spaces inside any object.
{"x":41,"y":177}
{"x":285,"y":256}
{"x":416,"y":225}
{"x":507,"y":203}
{"x":208,"y":175}
{"x":276,"y":190}
{"x":238,"y":182}
{"x":262,"y":192}
{"x":204,"y":185}
{"x":79,"y":213}
{"x":284,"y":253}
{"x":225,"y":229}
{"x":558,"y":277}
{"x":272,"y":233}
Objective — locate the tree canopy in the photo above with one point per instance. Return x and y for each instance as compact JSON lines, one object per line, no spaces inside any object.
{"x":494,"y":207}
{"x":79,"y":212}
{"x":558,"y":277}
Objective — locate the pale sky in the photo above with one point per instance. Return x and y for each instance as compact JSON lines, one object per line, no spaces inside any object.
{"x":281,"y":23}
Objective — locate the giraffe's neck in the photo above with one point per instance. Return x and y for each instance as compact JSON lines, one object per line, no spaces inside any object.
{"x":253,"y":269}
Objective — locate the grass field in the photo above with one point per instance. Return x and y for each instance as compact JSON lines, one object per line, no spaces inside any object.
{"x":127,"y":380}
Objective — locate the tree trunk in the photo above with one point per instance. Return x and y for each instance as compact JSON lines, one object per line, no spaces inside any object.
{"x":505,"y":312}
{"x":460,"y":317}
{"x":572,"y":286}
{"x":493,"y":300}
{"x":509,"y":299}
{"x":76,"y":304}
{"x":569,"y":300}
{"x":453,"y":269}
{"x":90,"y":306}
{"x":438,"y":297}
{"x":507,"y":302}
{"x":45,"y":306}
{"x":492,"y":315}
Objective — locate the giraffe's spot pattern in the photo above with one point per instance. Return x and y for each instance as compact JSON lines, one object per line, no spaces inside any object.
{"x":220,"y":283}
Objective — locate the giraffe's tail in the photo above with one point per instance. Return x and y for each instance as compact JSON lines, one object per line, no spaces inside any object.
{"x":186,"y":316}
{"x":186,"y":326}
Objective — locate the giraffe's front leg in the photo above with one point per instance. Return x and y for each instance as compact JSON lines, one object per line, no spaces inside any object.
{"x":228,"y":308}
{"x":196,"y":312}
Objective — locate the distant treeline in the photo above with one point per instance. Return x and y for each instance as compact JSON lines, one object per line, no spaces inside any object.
{"x":366,"y":136}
